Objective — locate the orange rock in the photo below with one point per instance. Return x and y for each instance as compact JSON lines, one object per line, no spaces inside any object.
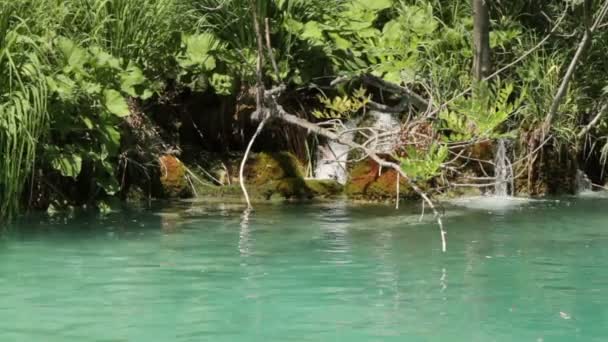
{"x":173,"y":176}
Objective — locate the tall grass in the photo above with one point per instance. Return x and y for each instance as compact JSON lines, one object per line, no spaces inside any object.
{"x":23,"y":115}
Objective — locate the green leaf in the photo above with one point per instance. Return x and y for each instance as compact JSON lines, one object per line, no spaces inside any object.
{"x":313,"y":32}
{"x":75,"y":56}
{"x":131,"y":79}
{"x":116,"y":103}
{"x":198,"y":51}
{"x":375,"y":5}
{"x":68,"y":164}
{"x":223,"y":84}
{"x":340,"y":42}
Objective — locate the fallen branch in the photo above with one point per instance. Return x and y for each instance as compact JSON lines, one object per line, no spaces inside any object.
{"x":413,"y":98}
{"x":593,"y":122}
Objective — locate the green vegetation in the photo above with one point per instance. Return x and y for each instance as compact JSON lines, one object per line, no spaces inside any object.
{"x":82,"y":81}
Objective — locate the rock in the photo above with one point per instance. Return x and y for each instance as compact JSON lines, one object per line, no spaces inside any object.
{"x":367,"y":183}
{"x":268,"y":167}
{"x":324,"y":188}
{"x":173,"y":177}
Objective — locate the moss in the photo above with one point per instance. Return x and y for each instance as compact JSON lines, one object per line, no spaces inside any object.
{"x":361,"y":176}
{"x":273,"y":166}
{"x":173,"y":176}
{"x":324,"y":188}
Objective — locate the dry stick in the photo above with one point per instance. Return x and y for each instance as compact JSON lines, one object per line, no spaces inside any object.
{"x":259,"y":97}
{"x":279,"y":112}
{"x":242,"y":168}
{"x":259,"y":100}
{"x":593,"y":122}
{"x":397,"y":199}
{"x":270,"y":53}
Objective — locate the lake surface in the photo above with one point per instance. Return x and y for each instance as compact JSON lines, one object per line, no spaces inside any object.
{"x":535,"y":271}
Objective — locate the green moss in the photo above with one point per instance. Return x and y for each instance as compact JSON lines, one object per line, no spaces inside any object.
{"x":324,"y":188}
{"x":361,"y":176}
{"x":273,"y":166}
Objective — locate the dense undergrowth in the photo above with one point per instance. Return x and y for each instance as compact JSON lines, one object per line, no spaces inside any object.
{"x":81,"y":80}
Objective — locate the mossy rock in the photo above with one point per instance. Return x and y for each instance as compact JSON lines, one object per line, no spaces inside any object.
{"x":173,"y":177}
{"x":324,"y":188}
{"x":268,"y":167}
{"x":366,"y":182}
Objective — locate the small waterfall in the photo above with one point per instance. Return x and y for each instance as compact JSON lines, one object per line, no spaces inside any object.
{"x":583,"y":183}
{"x":332,"y":157}
{"x":386,"y":122}
{"x":331,"y":162}
{"x":502,"y":171}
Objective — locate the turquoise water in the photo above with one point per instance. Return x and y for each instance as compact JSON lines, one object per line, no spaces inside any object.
{"x":534,"y":272}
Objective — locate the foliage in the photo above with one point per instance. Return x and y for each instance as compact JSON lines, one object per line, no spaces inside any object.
{"x":424,"y":164}
{"x":88,"y":95}
{"x":481,"y":115}
{"x":71,"y":71}
{"x":342,"y":107}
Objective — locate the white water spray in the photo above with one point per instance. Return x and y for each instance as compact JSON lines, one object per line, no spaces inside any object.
{"x":502,"y":171}
{"x":583,"y":183}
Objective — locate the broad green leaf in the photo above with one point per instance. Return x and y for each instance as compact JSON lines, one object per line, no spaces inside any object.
{"x":131,"y":79}
{"x":116,"y":103}
{"x":198,"y":51}
{"x":223,"y":84}
{"x":75,"y":56}
{"x":313,"y":32}
{"x":68,"y":164}
{"x":104,"y":59}
{"x":340,"y":42}
{"x":375,"y":5}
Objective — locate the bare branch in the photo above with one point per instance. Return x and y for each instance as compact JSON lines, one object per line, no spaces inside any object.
{"x":593,"y":122}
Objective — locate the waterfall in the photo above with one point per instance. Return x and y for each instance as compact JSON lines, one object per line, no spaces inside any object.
{"x":583,"y":184}
{"x":386,"y":122}
{"x":331,"y":162}
{"x":332,"y":157}
{"x":502,"y":171}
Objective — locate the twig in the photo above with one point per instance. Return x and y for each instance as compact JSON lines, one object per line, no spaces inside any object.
{"x":270,"y":53}
{"x":259,"y":97}
{"x":244,"y":161}
{"x":397,"y":199}
{"x":411,"y":96}
{"x":593,"y":122}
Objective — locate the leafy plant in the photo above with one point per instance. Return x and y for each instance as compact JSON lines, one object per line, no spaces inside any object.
{"x":341,"y":107}
{"x":424,"y":164}
{"x":481,"y":115}
{"x":89,"y":102}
